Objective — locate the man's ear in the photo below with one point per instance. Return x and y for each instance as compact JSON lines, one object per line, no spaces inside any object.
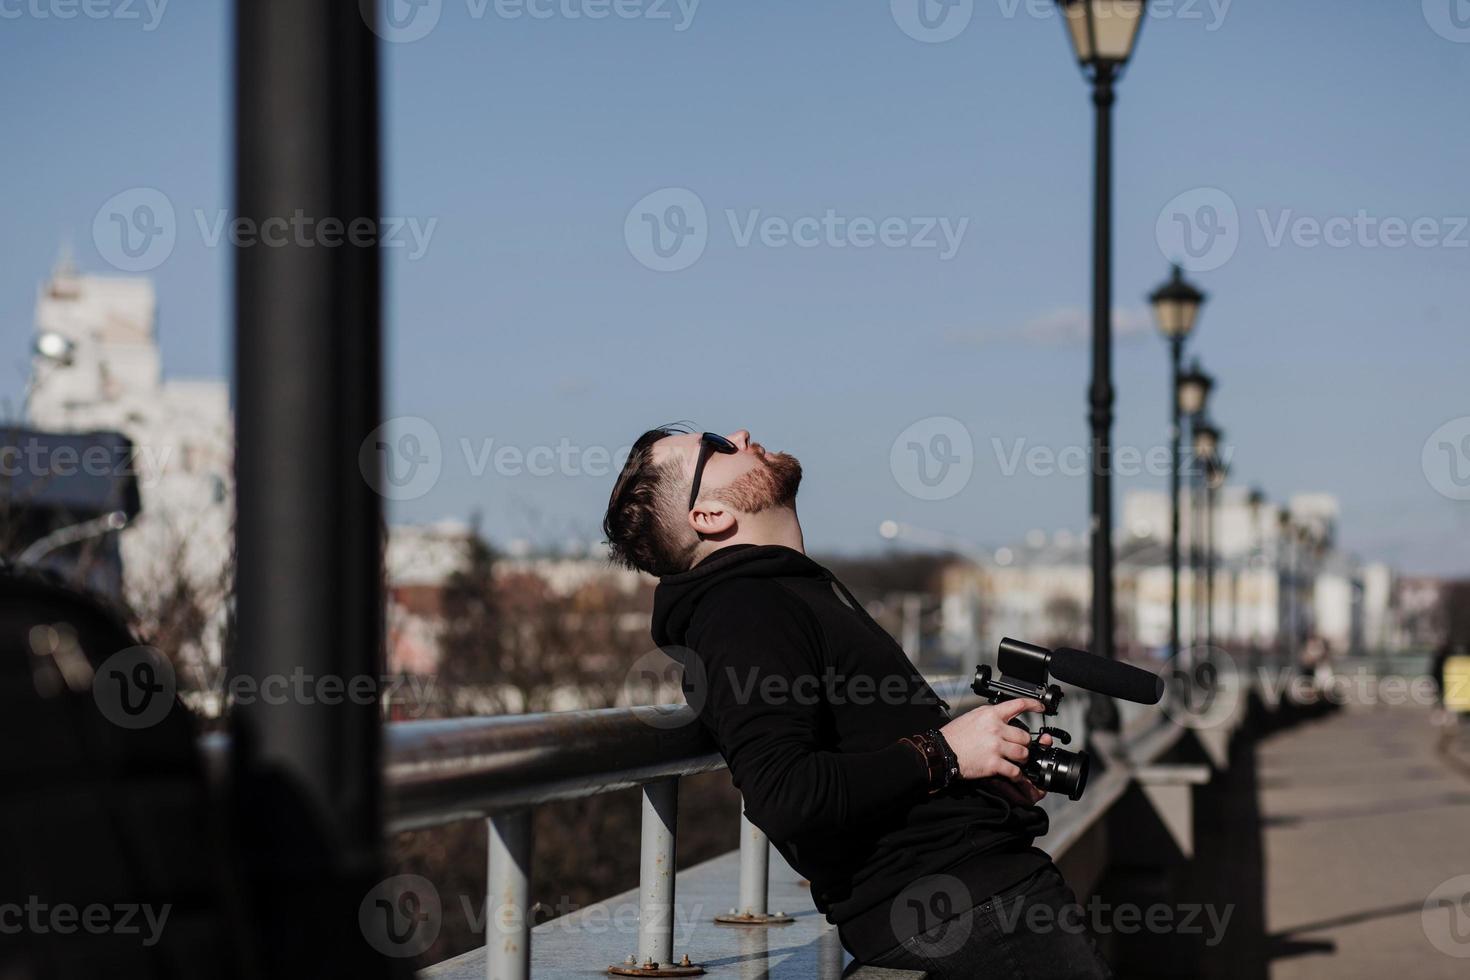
{"x":711,"y":519}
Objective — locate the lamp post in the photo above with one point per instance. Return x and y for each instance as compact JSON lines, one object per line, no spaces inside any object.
{"x":1257,"y":502}
{"x":1206,"y":450}
{"x":52,"y":349}
{"x":1176,"y":307}
{"x":1102,"y":33}
{"x":1283,"y":584}
{"x":1193,"y":397}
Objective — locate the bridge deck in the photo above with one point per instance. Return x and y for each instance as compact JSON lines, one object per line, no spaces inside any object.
{"x":1363,"y":818}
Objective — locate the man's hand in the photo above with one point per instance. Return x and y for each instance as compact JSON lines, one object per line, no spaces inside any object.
{"x":1021,"y":792}
{"x":986,"y":744}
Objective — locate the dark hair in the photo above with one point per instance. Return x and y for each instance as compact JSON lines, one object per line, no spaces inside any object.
{"x":640,"y":523}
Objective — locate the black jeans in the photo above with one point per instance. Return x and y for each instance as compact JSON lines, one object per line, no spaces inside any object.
{"x":1034,"y":930}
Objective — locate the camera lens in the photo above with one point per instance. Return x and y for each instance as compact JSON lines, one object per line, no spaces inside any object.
{"x":1060,"y":771}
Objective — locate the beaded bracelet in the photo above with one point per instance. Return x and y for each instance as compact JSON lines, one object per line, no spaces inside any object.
{"x":938,"y":757}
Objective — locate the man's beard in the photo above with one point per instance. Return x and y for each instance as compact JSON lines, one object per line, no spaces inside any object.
{"x":772,"y":484}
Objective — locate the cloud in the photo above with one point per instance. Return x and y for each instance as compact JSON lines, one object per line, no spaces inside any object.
{"x":1067,"y":326}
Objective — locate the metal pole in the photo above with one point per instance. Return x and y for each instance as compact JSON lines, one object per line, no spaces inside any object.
{"x":1101,"y":395}
{"x":508,"y":897}
{"x":1195,"y":532}
{"x":306,"y":769}
{"x":656,"y":874}
{"x":1176,"y":350}
{"x":755,"y":868}
{"x":1209,"y":561}
{"x":755,"y":881}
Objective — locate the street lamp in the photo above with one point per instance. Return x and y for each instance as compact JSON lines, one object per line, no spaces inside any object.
{"x":1284,"y":584}
{"x":1194,"y":390}
{"x":1176,"y":307}
{"x":53,"y":347}
{"x":1215,"y":473}
{"x":1257,"y":504}
{"x":1103,"y":33}
{"x":1204,"y":441}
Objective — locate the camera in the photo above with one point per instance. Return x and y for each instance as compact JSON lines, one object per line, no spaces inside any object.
{"x":1024,"y":673}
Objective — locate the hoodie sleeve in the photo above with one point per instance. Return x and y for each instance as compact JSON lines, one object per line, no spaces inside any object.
{"x":759,"y":677}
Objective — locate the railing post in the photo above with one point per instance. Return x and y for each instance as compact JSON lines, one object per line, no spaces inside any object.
{"x":656,"y":887}
{"x":508,"y":897}
{"x":755,"y":880}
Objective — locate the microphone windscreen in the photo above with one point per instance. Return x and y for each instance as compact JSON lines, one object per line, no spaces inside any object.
{"x":1116,"y":680}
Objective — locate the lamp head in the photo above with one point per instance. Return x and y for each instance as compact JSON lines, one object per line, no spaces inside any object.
{"x":1103,"y":32}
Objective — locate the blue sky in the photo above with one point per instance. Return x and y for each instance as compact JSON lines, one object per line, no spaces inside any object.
{"x":518,"y":145}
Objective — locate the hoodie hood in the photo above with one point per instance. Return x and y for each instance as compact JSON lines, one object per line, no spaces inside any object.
{"x":677,"y":596}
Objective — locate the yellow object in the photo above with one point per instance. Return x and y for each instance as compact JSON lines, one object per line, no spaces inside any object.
{"x":1457,"y":683}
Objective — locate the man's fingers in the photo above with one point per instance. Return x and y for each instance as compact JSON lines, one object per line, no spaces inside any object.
{"x":1014,"y":752}
{"x":1017,"y":735}
{"x":1009,"y":771}
{"x":1010,"y":709}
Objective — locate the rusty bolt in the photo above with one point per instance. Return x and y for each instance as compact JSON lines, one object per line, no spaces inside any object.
{"x":685,"y":961}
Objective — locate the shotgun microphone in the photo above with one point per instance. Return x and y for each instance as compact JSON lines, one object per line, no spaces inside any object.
{"x":1116,"y":680}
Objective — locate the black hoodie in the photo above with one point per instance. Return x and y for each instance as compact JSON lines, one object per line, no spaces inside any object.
{"x":807,"y":696}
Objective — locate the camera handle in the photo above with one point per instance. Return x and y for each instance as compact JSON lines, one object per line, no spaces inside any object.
{"x":997,"y":689}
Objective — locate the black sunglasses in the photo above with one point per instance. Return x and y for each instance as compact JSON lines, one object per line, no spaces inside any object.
{"x":709,"y":444}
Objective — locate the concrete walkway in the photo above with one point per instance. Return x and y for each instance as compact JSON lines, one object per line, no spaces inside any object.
{"x":1365,"y":819}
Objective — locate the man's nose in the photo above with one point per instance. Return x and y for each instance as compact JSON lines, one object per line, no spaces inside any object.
{"x":741,"y":438}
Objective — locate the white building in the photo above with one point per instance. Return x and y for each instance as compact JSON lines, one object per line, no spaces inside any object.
{"x":1270,"y":585}
{"x":96,"y":366}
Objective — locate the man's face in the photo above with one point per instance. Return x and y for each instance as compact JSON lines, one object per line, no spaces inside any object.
{"x":749,"y":480}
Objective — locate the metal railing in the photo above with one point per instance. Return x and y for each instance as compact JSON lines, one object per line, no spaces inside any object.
{"x":500,"y":768}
